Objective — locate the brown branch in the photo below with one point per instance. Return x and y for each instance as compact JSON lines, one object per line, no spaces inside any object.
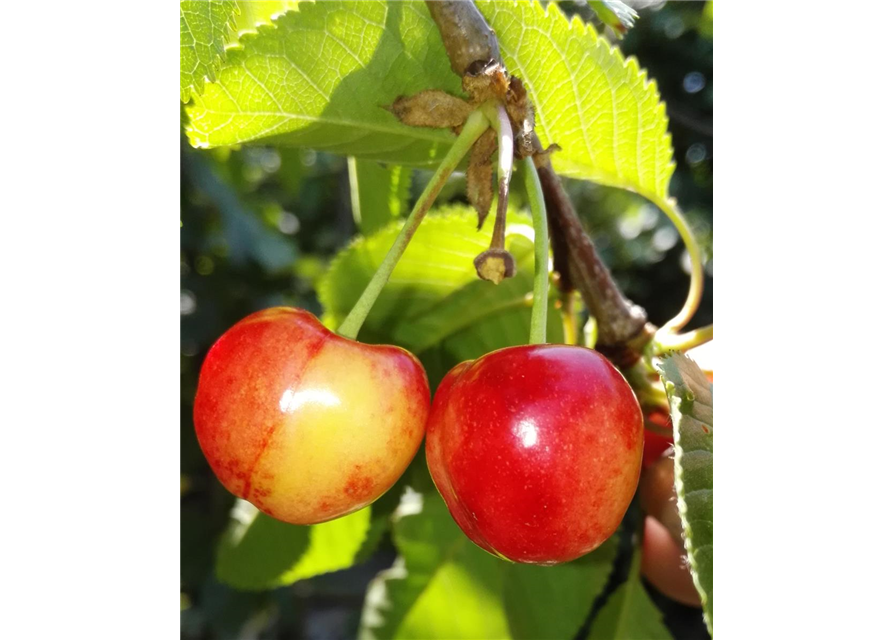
{"x":622,"y":326}
{"x":465,"y":34}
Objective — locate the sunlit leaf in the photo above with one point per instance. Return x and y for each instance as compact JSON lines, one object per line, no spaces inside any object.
{"x":258,"y":552}
{"x":597,"y":105}
{"x":205,"y":28}
{"x":319,"y":78}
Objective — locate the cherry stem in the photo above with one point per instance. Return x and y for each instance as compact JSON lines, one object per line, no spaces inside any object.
{"x":476,"y":125}
{"x":537,"y":203}
{"x":648,"y":392}
{"x":696,"y":284}
{"x":682,"y":341}
{"x":495,"y":264}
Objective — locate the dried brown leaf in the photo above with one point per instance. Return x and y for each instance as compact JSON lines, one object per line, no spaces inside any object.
{"x":541,"y":156}
{"x":485,"y":81}
{"x":431,"y":108}
{"x":479,"y":177}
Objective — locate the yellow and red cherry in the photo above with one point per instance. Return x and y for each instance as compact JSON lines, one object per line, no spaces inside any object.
{"x":303,"y":423}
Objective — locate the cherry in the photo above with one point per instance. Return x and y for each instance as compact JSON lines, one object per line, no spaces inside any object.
{"x":656,"y":443}
{"x":536,"y":450}
{"x":303,"y":423}
{"x":663,"y":555}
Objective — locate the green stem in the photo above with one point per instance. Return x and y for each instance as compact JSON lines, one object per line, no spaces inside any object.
{"x":476,"y":124}
{"x":648,"y":391}
{"x":682,"y":341}
{"x":540,"y":251}
{"x":696,"y":284}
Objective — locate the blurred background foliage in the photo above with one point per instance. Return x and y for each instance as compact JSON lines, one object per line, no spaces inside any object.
{"x":260,"y":227}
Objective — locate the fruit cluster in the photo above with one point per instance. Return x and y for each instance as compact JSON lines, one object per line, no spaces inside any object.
{"x":535,"y":449}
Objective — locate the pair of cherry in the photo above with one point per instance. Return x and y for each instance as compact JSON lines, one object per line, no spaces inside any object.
{"x":536,"y":449}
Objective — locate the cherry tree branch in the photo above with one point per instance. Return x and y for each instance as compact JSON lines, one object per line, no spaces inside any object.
{"x":465,"y":33}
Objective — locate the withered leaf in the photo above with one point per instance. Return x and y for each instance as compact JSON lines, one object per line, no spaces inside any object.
{"x":431,"y":108}
{"x":521,"y":113}
{"x":485,"y":81}
{"x":541,"y":156}
{"x":479,"y":177}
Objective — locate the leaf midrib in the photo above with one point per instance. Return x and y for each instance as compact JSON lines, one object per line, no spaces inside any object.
{"x":417,"y":133}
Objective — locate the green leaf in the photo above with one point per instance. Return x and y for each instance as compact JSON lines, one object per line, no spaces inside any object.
{"x":258,"y":552}
{"x":597,"y":105}
{"x":205,"y":28}
{"x":691,"y":408}
{"x":553,"y":602}
{"x":254,"y":13}
{"x":615,"y":14}
{"x":444,"y":586}
{"x":318,"y":78}
{"x":434,"y":299}
{"x":629,"y":613}
{"x":378,"y":193}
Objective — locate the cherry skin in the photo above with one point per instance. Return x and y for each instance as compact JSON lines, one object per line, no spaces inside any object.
{"x":536,"y":450}
{"x":305,"y":424}
{"x":658,"y":436}
{"x":664,"y":562}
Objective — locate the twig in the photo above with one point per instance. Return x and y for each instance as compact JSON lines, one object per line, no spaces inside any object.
{"x":465,"y":33}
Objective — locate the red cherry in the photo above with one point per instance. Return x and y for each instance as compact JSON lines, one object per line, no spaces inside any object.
{"x":657,"y":443}
{"x":536,"y":450}
{"x":664,"y":564}
{"x":303,"y":423}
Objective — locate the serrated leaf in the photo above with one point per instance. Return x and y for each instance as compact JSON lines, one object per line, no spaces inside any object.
{"x":629,"y":613}
{"x":205,"y":28}
{"x":597,"y":105}
{"x":319,"y":76}
{"x":691,"y":408}
{"x":378,"y":193}
{"x":434,"y":298}
{"x":444,"y":586}
{"x":255,"y":13}
{"x":258,"y":552}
